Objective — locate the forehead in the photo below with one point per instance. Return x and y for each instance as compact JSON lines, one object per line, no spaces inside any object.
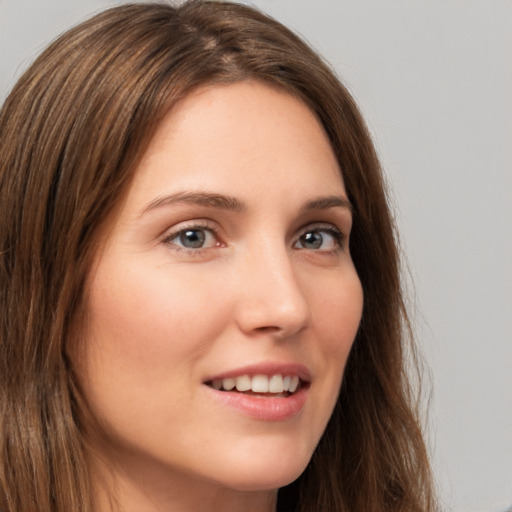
{"x":232,"y":138}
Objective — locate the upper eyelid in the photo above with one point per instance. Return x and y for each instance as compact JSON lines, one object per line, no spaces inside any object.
{"x":191,"y":224}
{"x":321,"y":226}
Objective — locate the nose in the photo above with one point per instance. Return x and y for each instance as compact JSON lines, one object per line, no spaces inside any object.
{"x":271,"y":299}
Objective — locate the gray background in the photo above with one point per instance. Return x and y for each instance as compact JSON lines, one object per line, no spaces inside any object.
{"x":434,"y":80}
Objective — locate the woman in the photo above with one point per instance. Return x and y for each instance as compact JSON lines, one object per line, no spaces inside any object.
{"x":180,"y":302}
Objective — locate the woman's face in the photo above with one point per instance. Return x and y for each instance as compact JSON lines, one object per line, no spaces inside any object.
{"x":228,"y":264}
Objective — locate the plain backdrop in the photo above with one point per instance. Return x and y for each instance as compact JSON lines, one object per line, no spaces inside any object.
{"x":434,"y":80}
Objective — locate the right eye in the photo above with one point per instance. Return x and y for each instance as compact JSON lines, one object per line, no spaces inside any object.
{"x":193,"y":238}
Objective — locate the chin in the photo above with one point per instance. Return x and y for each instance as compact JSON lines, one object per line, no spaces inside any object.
{"x":264,"y":474}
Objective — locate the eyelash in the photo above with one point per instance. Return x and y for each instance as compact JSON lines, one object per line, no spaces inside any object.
{"x":338,"y":236}
{"x":168,"y":240}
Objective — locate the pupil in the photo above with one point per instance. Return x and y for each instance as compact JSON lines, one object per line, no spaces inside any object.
{"x":192,"y":238}
{"x":312,"y":240}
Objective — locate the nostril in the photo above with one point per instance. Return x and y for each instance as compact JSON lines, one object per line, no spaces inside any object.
{"x":268,"y":329}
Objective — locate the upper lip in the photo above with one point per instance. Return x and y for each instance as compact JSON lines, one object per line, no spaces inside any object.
{"x":267,"y":368}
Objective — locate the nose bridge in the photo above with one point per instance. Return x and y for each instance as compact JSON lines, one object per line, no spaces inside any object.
{"x":272,"y":298}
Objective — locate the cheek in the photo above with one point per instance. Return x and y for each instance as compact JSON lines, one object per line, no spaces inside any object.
{"x":144,"y":314}
{"x":147,"y":326}
{"x":337,"y":312}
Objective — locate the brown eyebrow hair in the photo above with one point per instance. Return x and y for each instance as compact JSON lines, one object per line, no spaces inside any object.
{"x":200,"y":198}
{"x":224,"y":202}
{"x":323,"y":203}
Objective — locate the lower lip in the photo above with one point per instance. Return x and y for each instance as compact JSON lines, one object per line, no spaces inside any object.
{"x":263,"y":408}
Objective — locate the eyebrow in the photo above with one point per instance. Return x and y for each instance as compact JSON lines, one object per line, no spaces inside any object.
{"x":219,"y":201}
{"x":230,"y":203}
{"x":326,"y":202}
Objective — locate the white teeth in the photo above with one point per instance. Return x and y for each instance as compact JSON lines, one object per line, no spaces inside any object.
{"x":275,"y":384}
{"x":228,"y":384}
{"x":293,"y":384}
{"x":258,"y":383}
{"x":243,"y":383}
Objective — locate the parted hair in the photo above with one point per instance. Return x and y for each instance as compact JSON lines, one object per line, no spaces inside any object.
{"x":71,"y":134}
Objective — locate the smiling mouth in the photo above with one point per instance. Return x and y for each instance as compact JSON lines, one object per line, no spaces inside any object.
{"x":260,"y":385}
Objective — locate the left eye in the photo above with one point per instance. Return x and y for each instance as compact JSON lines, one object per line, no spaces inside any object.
{"x":193,"y":238}
{"x":326,"y":239}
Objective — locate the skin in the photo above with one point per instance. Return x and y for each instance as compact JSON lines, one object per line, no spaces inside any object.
{"x":163,"y":318}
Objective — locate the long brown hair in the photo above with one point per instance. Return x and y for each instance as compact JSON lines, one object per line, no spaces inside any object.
{"x":71,"y":134}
